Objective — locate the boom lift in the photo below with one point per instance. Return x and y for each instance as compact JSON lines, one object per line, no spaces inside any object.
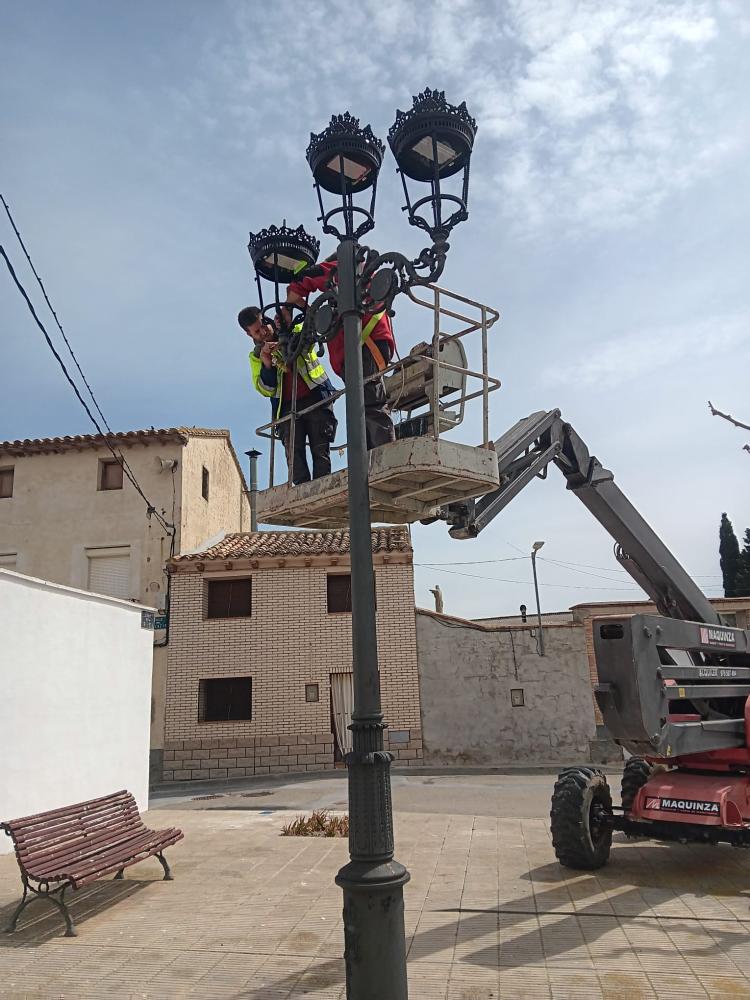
{"x":673,"y":688}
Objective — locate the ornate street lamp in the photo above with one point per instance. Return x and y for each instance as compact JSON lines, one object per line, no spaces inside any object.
{"x":431,"y":143}
{"x":345,"y":160}
{"x":279,"y":253}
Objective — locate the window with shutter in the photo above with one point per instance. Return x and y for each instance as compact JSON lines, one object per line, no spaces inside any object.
{"x":339,"y":592}
{"x":109,"y":571}
{"x":229,"y":598}
{"x":6,"y":483}
{"x":110,"y":474}
{"x":225,"y":699}
{"x":8,"y":560}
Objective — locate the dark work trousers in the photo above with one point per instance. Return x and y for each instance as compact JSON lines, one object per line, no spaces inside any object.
{"x":378,"y":423}
{"x":318,"y":429}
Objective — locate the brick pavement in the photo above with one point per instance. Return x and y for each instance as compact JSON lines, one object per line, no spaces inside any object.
{"x":489,"y":914}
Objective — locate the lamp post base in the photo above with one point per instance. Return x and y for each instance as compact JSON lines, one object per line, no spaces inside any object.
{"x":374,"y":929}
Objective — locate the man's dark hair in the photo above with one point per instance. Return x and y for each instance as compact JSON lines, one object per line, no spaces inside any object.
{"x":248,"y":316}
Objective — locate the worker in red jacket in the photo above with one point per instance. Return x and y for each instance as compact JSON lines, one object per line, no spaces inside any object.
{"x":378,"y":347}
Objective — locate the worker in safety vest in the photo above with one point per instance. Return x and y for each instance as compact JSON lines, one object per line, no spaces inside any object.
{"x":272,"y":380}
{"x":378,"y":347}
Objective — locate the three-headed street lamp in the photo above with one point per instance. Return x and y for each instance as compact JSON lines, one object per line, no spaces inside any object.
{"x":431,"y":143}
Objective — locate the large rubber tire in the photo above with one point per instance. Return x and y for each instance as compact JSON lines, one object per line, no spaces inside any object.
{"x":580,"y":841}
{"x":635,"y":775}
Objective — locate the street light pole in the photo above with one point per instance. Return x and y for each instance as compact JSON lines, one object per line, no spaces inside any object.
{"x":540,"y":642}
{"x":372,"y":881}
{"x":432,"y":144}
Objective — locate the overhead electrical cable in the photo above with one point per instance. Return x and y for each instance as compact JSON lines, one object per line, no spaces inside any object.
{"x":477,"y":562}
{"x":523,"y":583}
{"x":121,"y":458}
{"x":570,"y":566}
{"x":51,"y":309}
{"x":150,"y":509}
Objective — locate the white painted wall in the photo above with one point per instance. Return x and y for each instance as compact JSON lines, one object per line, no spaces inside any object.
{"x":75,"y":676}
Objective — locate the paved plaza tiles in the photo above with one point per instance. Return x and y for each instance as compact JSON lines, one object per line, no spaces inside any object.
{"x":489,"y":913}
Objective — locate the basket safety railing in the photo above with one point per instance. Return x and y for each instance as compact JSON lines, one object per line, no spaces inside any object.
{"x":444,"y":305}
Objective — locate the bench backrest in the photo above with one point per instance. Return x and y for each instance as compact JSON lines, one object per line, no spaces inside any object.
{"x":52,"y":833}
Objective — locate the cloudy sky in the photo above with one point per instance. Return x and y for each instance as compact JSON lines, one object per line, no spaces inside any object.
{"x":608,"y":223}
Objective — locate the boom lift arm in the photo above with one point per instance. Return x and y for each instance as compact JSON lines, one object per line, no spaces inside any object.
{"x":653,"y":702}
{"x":525,"y":451}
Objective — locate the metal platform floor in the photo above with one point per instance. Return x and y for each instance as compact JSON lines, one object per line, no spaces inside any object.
{"x":408,"y":480}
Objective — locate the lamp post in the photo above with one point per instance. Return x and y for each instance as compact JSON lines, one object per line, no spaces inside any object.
{"x":431,"y":142}
{"x":540,"y":642}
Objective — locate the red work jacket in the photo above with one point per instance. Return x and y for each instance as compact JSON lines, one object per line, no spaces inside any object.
{"x":315,"y":279}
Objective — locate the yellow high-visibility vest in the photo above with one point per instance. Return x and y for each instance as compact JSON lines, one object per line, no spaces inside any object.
{"x":309,"y":368}
{"x":371,"y":324}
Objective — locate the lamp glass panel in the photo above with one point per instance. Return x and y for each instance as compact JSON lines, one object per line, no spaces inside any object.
{"x":445,"y":152}
{"x":287,"y":263}
{"x":353,"y":170}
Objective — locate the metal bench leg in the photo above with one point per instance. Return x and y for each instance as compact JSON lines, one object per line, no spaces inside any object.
{"x":165,"y":866}
{"x":70,"y":930}
{"x":119,"y":874}
{"x":21,"y":906}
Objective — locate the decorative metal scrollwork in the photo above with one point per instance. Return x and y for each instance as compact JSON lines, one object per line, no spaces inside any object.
{"x":381,"y":277}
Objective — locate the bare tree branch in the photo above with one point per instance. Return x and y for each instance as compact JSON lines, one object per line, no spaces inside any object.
{"x":726,"y":416}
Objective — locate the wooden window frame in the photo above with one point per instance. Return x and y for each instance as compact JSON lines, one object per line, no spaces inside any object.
{"x":4,"y":477}
{"x":204,"y":697}
{"x":348,"y":610}
{"x":211,"y":602}
{"x":104,"y":465}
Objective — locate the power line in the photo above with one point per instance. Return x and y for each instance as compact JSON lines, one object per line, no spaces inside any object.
{"x":476,"y":562}
{"x":49,"y":304}
{"x":570,"y":566}
{"x":121,"y":458}
{"x":150,"y":509}
{"x":118,"y":453}
{"x":614,"y":569}
{"x":523,"y":583}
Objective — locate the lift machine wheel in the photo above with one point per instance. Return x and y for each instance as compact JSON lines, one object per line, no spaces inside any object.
{"x":581,"y":818}
{"x":636,"y":773}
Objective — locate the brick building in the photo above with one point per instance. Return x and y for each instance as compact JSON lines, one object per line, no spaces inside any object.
{"x":259,"y":672}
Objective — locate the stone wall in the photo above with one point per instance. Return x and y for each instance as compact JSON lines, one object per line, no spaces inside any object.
{"x":467,"y":673}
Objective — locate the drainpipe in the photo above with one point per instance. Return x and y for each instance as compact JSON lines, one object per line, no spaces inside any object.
{"x":253,"y":455}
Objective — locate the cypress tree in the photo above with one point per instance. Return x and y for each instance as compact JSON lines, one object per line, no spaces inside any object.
{"x":729,"y":556}
{"x":742,"y":582}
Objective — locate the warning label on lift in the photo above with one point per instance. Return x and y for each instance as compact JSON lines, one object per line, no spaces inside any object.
{"x":683,"y":806}
{"x":723,"y":637}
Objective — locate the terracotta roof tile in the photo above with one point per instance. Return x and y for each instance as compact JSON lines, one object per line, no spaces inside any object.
{"x":260,"y":544}
{"x":53,"y":444}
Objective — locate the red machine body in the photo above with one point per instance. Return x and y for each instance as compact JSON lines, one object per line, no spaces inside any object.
{"x":678,"y":796}
{"x":710,"y":790}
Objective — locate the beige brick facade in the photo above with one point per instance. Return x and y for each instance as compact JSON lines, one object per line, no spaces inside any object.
{"x":289,"y":640}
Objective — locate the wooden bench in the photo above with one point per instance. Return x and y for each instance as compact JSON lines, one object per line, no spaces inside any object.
{"x":69,"y":847}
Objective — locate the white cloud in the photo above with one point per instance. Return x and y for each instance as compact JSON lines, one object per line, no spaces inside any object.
{"x":635,"y":353}
{"x":590,"y":114}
